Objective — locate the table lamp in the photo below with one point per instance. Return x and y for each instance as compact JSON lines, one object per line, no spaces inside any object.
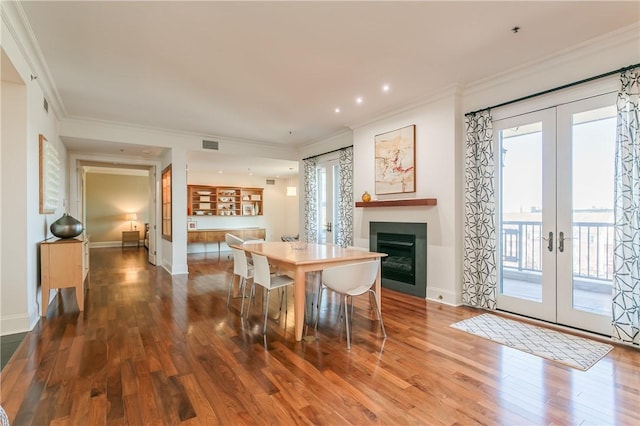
{"x":131,"y":217}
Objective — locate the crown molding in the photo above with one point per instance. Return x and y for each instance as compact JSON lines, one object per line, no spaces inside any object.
{"x":444,"y":93}
{"x":334,"y":141}
{"x":161,"y":137}
{"x":15,"y":20}
{"x":586,"y":49}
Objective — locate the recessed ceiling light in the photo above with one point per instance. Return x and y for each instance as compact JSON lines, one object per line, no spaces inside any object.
{"x":220,"y":171}
{"x":359,"y":100}
{"x":337,"y":110}
{"x":385,"y":88}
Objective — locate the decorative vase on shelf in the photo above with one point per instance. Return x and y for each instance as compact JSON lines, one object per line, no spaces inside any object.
{"x":366,"y":197}
{"x":66,"y":227}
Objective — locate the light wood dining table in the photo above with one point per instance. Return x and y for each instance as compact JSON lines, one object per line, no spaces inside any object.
{"x":302,"y":257}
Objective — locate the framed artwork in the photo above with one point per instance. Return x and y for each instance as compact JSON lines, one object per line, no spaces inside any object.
{"x":192,"y":225}
{"x":395,"y":158}
{"x":49,"y":176}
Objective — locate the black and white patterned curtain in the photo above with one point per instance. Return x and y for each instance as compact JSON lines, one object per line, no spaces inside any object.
{"x":310,"y":200}
{"x":479,"y":286}
{"x":345,"y":198}
{"x":626,"y":260}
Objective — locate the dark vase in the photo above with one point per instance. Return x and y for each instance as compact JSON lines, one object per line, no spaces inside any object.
{"x":66,"y":227}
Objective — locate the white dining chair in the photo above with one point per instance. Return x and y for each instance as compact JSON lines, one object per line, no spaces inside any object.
{"x":264,"y":277}
{"x":230,"y":239}
{"x":244,"y":271}
{"x":253,"y":241}
{"x":353,"y":280}
{"x":322,"y":288}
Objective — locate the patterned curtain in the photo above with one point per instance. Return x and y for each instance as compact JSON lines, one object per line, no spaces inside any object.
{"x":345,"y":198}
{"x":626,"y":259}
{"x":310,"y":201}
{"x":480,"y":273}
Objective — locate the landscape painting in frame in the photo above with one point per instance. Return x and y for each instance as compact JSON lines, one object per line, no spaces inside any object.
{"x":395,"y":161}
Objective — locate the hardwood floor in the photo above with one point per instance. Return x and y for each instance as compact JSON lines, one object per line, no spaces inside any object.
{"x":151,"y":349}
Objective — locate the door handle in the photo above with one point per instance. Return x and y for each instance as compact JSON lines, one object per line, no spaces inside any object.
{"x":561,"y":239}
{"x":550,"y":239}
{"x":327,"y":226}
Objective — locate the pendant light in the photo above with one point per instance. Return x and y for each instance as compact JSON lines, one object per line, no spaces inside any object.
{"x":291,"y":189}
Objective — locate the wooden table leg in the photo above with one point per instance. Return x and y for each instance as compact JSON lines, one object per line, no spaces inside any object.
{"x":45,"y":296}
{"x":299,"y":303}
{"x":80,"y":295}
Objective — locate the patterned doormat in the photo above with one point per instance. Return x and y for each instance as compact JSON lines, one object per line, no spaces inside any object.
{"x":567,"y":349}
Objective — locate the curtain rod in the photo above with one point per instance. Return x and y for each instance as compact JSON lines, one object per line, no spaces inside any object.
{"x":329,"y":152}
{"x":555,"y":89}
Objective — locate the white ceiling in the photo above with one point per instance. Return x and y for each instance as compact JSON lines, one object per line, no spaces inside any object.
{"x":275,"y":71}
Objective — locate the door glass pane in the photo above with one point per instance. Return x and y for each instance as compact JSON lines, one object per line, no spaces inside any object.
{"x":521,"y":211}
{"x":593,"y":158}
{"x":335,"y":195}
{"x":322,"y":204}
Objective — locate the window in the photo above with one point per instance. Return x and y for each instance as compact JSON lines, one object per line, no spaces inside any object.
{"x":166,"y":204}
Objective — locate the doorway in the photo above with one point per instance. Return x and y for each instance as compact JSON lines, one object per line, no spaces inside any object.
{"x":555,"y":213}
{"x":119,"y":202}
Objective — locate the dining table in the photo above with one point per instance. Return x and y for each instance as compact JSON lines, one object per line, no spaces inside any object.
{"x":301,"y":257}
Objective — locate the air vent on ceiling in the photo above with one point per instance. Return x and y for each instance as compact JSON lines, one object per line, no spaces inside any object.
{"x":271,"y":181}
{"x":45,"y":105}
{"x":210,"y":144}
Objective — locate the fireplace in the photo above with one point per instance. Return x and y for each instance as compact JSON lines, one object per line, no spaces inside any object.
{"x":400,"y":263}
{"x":404,"y":267}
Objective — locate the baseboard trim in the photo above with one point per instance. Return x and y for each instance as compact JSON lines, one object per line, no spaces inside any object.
{"x":107,"y":244}
{"x":443,"y":296}
{"x":13,"y":324}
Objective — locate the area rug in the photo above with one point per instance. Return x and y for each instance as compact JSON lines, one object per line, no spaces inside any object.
{"x":567,"y":349}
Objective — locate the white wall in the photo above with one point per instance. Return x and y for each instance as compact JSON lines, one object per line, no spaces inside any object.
{"x":174,"y":252}
{"x":14,"y":304}
{"x":437,"y":175}
{"x":23,"y":227}
{"x":109,"y":197}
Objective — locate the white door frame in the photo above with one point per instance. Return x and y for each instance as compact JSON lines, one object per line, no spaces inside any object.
{"x":77,"y":185}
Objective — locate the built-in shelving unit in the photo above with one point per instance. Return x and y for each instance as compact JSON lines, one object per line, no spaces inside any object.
{"x":399,"y":203}
{"x":224,"y":201}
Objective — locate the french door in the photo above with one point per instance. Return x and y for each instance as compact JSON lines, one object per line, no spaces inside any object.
{"x":555,"y":170}
{"x":327,"y":178}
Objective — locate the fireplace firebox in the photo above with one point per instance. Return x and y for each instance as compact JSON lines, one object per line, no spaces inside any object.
{"x":404,"y":267}
{"x":400,"y":263}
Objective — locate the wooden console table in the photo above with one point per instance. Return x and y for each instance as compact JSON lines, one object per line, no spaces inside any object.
{"x":217,"y":235}
{"x":64,"y":263}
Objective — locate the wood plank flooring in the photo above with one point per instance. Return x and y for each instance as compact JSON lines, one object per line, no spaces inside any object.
{"x":151,"y":349}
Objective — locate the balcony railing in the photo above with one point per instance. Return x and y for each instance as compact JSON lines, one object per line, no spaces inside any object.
{"x":592,"y":243}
